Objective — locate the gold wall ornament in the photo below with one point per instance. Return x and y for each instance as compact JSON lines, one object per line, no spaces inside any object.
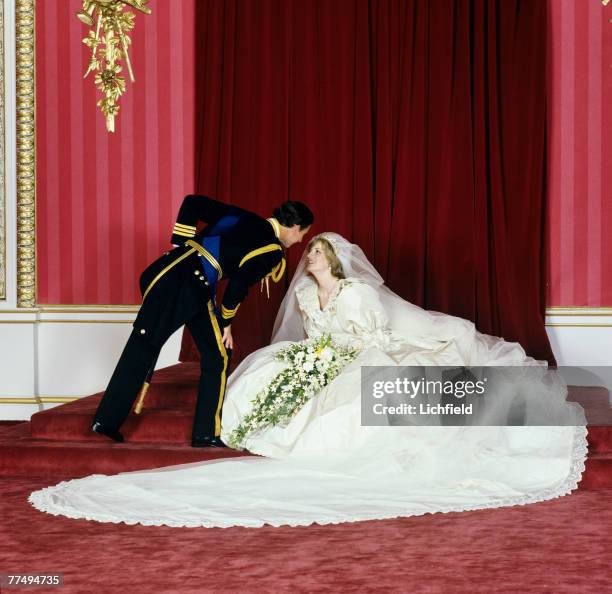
{"x":109,"y":44}
{"x":26,"y":156}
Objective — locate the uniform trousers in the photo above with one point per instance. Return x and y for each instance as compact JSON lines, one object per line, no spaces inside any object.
{"x":176,"y":293}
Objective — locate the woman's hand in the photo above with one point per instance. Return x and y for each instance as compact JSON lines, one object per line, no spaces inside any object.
{"x":227,"y":338}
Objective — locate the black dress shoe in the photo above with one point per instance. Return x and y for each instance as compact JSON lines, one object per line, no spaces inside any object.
{"x":207,"y":442}
{"x":102,"y":430}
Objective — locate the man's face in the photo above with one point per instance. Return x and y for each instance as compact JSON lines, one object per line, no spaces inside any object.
{"x":295,"y":235}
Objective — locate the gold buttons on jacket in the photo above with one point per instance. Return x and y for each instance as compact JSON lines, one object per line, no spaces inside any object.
{"x":196,"y":272}
{"x":143,"y":331}
{"x":201,"y":278}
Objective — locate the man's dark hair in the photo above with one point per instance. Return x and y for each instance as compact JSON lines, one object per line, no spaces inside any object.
{"x":292,"y":213}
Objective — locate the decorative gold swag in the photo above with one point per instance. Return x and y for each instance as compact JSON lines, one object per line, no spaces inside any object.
{"x":113,"y":19}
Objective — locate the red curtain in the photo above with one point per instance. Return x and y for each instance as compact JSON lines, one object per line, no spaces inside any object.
{"x":414,"y":128}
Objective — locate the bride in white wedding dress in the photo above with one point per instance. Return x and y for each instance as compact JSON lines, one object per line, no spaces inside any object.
{"x":323,"y":466}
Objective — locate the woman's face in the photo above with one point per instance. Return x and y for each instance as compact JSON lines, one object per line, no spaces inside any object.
{"x":316,"y":261}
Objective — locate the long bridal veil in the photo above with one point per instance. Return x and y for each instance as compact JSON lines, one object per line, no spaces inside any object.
{"x":440,"y":339}
{"x":385,"y":471}
{"x":418,"y":326}
{"x":403,"y":316}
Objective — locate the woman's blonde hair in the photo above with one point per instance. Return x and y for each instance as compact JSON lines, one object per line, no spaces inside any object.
{"x":330,"y":255}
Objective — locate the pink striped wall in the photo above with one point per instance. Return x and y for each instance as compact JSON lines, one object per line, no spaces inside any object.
{"x":106,"y":202}
{"x":580,"y":141}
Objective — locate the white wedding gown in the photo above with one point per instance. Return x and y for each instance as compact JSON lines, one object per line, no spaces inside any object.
{"x":324,"y":467}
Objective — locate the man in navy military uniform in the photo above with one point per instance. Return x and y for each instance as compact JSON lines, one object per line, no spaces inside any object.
{"x":179,"y":288}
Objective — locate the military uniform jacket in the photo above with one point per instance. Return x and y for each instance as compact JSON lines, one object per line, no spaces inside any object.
{"x":250,"y":251}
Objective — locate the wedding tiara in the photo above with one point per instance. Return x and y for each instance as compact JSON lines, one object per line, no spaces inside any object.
{"x":331,"y":240}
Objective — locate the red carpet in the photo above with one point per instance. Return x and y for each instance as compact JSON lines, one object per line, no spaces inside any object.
{"x":557,"y":547}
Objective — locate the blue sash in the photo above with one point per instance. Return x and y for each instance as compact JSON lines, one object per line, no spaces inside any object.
{"x":212,"y":244}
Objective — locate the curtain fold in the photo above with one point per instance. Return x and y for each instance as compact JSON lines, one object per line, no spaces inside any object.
{"x":414,"y":128}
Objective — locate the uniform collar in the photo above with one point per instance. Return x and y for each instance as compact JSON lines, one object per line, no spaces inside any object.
{"x":275,"y":225}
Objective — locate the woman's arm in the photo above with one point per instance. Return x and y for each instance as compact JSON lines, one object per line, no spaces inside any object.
{"x":361,"y":314}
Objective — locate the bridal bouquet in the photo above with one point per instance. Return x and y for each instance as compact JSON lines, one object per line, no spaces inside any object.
{"x":313,"y":364}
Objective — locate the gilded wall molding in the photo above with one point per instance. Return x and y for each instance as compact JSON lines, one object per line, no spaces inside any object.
{"x":2,"y":164}
{"x":26,"y":156}
{"x":39,"y":400}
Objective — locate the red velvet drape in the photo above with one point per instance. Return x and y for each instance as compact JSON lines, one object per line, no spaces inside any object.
{"x":414,"y":128}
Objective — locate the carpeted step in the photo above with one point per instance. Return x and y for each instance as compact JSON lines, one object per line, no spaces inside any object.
{"x":20,"y":455}
{"x":596,"y":404}
{"x":152,"y":425}
{"x":32,"y":457}
{"x":166,"y":417}
{"x":598,"y":471}
{"x":600,"y":439}
{"x":168,"y":412}
{"x":173,"y":426}
{"x":59,"y":441}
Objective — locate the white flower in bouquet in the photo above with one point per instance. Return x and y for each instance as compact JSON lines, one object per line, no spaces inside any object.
{"x":312,"y":365}
{"x":326,"y":355}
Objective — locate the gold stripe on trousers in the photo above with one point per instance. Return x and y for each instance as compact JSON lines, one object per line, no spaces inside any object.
{"x":215,"y":325}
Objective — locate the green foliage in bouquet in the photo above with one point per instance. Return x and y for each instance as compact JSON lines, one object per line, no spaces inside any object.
{"x":312,"y":365}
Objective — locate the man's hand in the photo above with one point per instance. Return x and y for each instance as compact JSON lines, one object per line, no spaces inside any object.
{"x":227,"y":338}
